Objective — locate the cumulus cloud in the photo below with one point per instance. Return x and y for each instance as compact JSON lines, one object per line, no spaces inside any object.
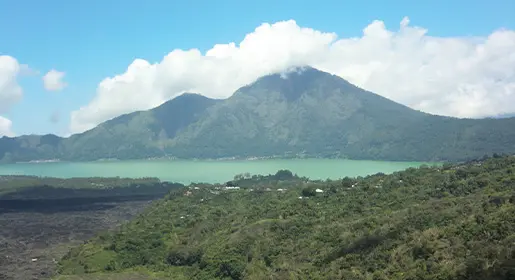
{"x":10,"y":91}
{"x":53,"y":80}
{"x":455,"y":76}
{"x":5,"y":127}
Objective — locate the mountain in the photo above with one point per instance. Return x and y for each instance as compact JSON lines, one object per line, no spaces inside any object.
{"x":314,"y":113}
{"x":141,"y":134}
{"x":502,"y":116}
{"x":29,"y":147}
{"x":305,"y":112}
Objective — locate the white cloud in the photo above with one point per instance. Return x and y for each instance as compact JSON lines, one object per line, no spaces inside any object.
{"x":457,"y":76}
{"x":10,"y":91}
{"x":5,"y":127}
{"x":53,"y":80}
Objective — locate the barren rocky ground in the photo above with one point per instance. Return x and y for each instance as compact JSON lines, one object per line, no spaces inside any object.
{"x":34,"y":235}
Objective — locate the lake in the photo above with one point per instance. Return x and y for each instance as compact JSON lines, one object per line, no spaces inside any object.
{"x":187,"y":171}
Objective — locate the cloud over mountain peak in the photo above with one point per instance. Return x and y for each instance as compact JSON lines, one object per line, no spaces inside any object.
{"x":455,"y":76}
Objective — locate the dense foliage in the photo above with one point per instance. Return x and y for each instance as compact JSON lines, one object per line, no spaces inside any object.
{"x":447,"y":222}
{"x":306,"y":114}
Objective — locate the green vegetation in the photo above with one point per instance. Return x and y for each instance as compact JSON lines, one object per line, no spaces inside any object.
{"x":113,"y":276}
{"x":16,"y":182}
{"x":33,"y":187}
{"x":307,"y":114}
{"x":132,"y":136}
{"x":448,"y":222}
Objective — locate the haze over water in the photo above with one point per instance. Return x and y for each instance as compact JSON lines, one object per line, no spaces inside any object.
{"x":187,"y":171}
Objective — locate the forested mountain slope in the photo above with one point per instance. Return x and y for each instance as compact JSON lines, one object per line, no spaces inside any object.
{"x":313,"y":113}
{"x":137,"y":135}
{"x":450,"y":222}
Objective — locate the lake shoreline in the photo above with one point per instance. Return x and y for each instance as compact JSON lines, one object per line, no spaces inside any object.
{"x":221,"y":159}
{"x":203,"y":171}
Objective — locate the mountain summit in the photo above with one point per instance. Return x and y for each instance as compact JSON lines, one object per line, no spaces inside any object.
{"x":301,"y":112}
{"x":306,"y":112}
{"x":293,"y":83}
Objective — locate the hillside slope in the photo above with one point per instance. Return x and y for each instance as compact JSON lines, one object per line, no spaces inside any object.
{"x":452,"y":222}
{"x":141,"y":134}
{"x":138,"y":135}
{"x":303,"y":113}
{"x":30,"y":147}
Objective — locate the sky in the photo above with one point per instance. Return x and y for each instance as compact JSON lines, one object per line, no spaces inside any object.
{"x":66,"y":66}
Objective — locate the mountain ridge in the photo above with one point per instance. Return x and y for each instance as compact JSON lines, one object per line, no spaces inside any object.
{"x":303,"y":112}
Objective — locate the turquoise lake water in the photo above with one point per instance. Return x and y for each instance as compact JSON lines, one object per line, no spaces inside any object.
{"x":187,"y":171}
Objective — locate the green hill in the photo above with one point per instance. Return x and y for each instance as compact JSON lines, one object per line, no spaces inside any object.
{"x":452,"y":222}
{"x":137,"y":135}
{"x":305,"y":113}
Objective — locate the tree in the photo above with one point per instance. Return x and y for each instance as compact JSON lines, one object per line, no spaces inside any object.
{"x":283,"y":175}
{"x":309,"y":191}
{"x":347,"y":182}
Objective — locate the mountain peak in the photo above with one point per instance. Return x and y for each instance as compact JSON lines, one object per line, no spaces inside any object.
{"x":296,"y":72}
{"x":184,"y":101}
{"x":186,"y":97}
{"x":296,"y":81}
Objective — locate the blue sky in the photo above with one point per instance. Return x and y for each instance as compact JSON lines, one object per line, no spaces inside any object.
{"x":95,"y":39}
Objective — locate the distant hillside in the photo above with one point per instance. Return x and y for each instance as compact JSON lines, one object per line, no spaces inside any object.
{"x":30,"y":147}
{"x":304,"y":113}
{"x":137,"y":135}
